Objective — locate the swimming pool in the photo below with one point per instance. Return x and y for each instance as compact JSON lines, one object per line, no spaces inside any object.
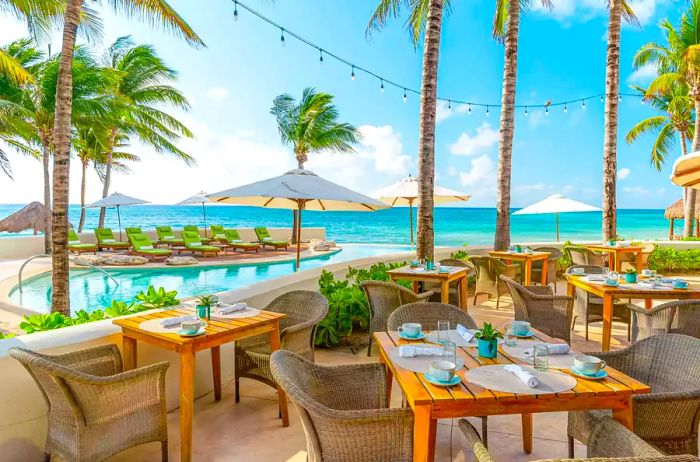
{"x":90,"y":289}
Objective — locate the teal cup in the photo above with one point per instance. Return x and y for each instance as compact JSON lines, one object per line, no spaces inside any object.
{"x":588,"y":365}
{"x":442,"y":370}
{"x":520,"y":327}
{"x":191,"y":327}
{"x":678,"y":284}
{"x":410,"y":329}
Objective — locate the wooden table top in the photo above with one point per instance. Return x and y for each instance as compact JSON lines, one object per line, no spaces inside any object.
{"x":467,"y":397}
{"x":504,"y":254}
{"x":626,"y":290}
{"x":607,"y":248}
{"x":218,"y":330}
{"x":408,"y":272}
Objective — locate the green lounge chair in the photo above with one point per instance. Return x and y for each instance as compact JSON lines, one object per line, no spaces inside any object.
{"x":265,"y":239}
{"x":106,"y":240}
{"x":233,"y":240}
{"x":218,"y":233}
{"x":193,"y":243}
{"x":195,"y":229}
{"x":130,"y":231}
{"x":144,"y":247}
{"x":74,"y":244}
{"x":166,"y":236}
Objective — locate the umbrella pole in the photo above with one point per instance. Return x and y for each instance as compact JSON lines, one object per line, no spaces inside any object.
{"x":556,"y":220}
{"x":204,"y":215}
{"x":410,"y":214}
{"x":119,"y":217}
{"x":298,"y":225}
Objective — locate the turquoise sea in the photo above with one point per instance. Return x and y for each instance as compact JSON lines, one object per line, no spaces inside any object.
{"x":453,"y":226}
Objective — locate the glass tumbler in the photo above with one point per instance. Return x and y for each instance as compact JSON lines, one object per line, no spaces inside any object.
{"x":509,"y":337}
{"x":449,"y":351}
{"x":541,"y":357}
{"x":443,"y":332}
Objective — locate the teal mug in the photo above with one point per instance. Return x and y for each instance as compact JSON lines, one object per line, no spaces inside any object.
{"x":678,"y":284}
{"x":410,"y":329}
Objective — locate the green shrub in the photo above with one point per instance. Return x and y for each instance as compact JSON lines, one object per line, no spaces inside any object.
{"x":461,"y":254}
{"x":122,"y":309}
{"x":3,"y":335}
{"x":44,"y":322}
{"x":160,"y":298}
{"x":691,"y":238}
{"x":667,"y":259}
{"x":82,"y":316}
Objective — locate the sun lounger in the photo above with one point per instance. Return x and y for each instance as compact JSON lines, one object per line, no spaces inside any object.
{"x":74,"y":244}
{"x":130,"y":231}
{"x":106,"y":240}
{"x":194,"y":244}
{"x":144,"y":247}
{"x":265,"y":239}
{"x":166,"y":236}
{"x":195,"y":229}
{"x":233,"y":240}
{"x":218,"y":233}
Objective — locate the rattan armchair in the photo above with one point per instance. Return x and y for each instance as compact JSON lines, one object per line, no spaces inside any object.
{"x":488,"y":269}
{"x":96,"y":409}
{"x":668,"y":417}
{"x":679,"y":317}
{"x":304,"y":310}
{"x":435,"y":287}
{"x":384,"y":297}
{"x":345,"y":410}
{"x":589,"y":307}
{"x":552,"y":266}
{"x":545,"y":311}
{"x":577,"y":255}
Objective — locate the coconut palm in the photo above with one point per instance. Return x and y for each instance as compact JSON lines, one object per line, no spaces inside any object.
{"x":155,"y":11}
{"x":142,"y":89}
{"x":678,"y":61}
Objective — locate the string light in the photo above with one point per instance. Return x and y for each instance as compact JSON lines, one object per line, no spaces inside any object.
{"x":320,"y":59}
{"x":642,"y":100}
{"x":282,"y":37}
{"x":525,"y":111}
{"x":449,"y":104}
{"x":235,"y":11}
{"x":583,"y":104}
{"x":352,"y":74}
{"x":546,"y":111}
{"x":601,"y":98}
{"x":469,"y":109}
{"x":381,"y":88}
{"x":619,"y":97}
{"x":404,"y":95}
{"x":565,"y":108}
{"x":487,"y":110}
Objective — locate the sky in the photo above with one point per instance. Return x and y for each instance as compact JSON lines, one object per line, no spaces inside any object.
{"x":231,"y":84}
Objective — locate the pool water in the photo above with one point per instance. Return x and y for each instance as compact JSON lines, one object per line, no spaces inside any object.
{"x":91,"y":289}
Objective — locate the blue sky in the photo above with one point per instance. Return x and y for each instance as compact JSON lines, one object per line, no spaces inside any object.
{"x":232,"y":82}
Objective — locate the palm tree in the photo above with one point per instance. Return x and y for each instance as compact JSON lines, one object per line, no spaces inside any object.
{"x":425,"y":18}
{"x":156,"y":11}
{"x":311,"y":125}
{"x":143,"y":88}
{"x":679,"y":65}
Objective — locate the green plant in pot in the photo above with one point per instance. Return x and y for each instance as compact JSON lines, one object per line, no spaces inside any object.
{"x":631,"y":275}
{"x":204,"y":304}
{"x":487,"y":341}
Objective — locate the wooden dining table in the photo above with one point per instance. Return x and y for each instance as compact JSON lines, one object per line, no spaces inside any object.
{"x":625,"y":291}
{"x":616,"y":252}
{"x":430,"y":403}
{"x":218,"y":332}
{"x":418,"y":275}
{"x":527,"y":258}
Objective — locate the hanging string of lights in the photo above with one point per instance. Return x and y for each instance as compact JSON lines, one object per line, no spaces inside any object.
{"x":383,"y":81}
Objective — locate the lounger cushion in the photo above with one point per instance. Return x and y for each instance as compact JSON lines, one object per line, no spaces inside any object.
{"x":73,"y":242}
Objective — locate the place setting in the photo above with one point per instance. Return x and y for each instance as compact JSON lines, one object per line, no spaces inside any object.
{"x":185,"y":326}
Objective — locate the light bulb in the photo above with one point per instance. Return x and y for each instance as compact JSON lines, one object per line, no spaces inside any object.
{"x":642,"y":100}
{"x":601,"y":98}
{"x":566,"y":109}
{"x":525,"y":111}
{"x":449,"y":104}
{"x":381,"y":88}
{"x":282,"y":38}
{"x":235,"y":11}
{"x":546,"y":111}
{"x":583,"y":104}
{"x":469,"y":109}
{"x":404,"y":95}
{"x":320,"y":59}
{"x":619,"y":97}
{"x":487,"y":110}
{"x":352,"y":74}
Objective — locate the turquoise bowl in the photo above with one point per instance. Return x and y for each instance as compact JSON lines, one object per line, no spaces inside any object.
{"x":487,"y":348}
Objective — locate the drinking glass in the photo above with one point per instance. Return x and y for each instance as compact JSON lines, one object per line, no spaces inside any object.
{"x":509,"y":337}
{"x":450,"y":351}
{"x":421,"y":262}
{"x":541,"y":357}
{"x":443,"y":332}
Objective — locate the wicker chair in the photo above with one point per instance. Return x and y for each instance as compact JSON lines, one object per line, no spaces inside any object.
{"x":610,"y":442}
{"x":454,"y":287}
{"x":488,"y":269}
{"x":552,"y":265}
{"x":590,"y":307}
{"x":428,"y":314}
{"x":668,"y":417}
{"x":96,"y":409}
{"x":384,"y":297}
{"x":345,"y":410}
{"x":304,"y":310}
{"x":544,"y":310}
{"x":578,"y":255}
{"x":629,"y":260}
{"x":679,"y":317}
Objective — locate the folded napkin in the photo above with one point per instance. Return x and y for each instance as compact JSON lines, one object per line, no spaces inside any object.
{"x":410,"y":351}
{"x":596,"y":277}
{"x":526,"y":376}
{"x":169,"y":322}
{"x":232,"y":308}
{"x":552,"y":348}
{"x":464,"y":333}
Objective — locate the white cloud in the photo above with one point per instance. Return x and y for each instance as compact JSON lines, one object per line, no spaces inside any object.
{"x":584,"y":10}
{"x":644,"y":74}
{"x":452,"y":170}
{"x":623,"y":173}
{"x":471,"y":145}
{"x":481,"y":179}
{"x":217,"y":94}
{"x":638,"y":190}
{"x":446,"y":110}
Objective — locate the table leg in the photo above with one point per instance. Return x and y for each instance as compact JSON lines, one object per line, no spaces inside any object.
{"x":545,"y":272}
{"x":625,"y":415}
{"x":612,"y":258}
{"x":463,"y":296}
{"x":445,"y":291}
{"x":527,"y":432}
{"x":618,"y":262}
{"x":416,"y":286}
{"x":129,"y":352}
{"x":648,"y":303}
{"x":639,"y":262}
{"x":281,"y":395}
{"x":186,"y":401}
{"x":216,"y":371}
{"x":528,"y":272}
{"x":570,"y":289}
{"x":607,"y":321}
{"x":424,"y":432}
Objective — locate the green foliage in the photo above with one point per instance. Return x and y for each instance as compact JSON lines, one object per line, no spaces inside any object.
{"x":44,"y":322}
{"x":461,"y":254}
{"x":667,"y":259}
{"x":690,"y":238}
{"x":122,"y":309}
{"x":82,"y":316}
{"x":4,"y":335}
{"x":206,"y":300}
{"x":159,"y":298}
{"x":631,"y":271}
{"x":488,"y":333}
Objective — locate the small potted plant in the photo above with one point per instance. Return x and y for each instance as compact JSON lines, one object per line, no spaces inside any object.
{"x":631,"y":275}
{"x":204,"y":306}
{"x":487,"y":341}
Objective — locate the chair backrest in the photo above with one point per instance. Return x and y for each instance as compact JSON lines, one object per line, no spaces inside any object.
{"x":262,"y":233}
{"x":679,"y":317}
{"x":217,"y":231}
{"x":488,"y":268}
{"x":191,"y":238}
{"x":232,"y":235}
{"x":578,"y":255}
{"x":191,"y":228}
{"x":103,"y":234}
{"x":428,"y":314}
{"x":588,"y":269}
{"x":73,"y":237}
{"x":132,"y":231}
{"x":554,"y":252}
{"x":164,"y":231}
{"x":384,"y":297}
{"x":140,"y":241}
{"x":300,"y":306}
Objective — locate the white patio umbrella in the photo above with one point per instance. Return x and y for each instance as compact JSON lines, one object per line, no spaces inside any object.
{"x":200,"y":198}
{"x":298,"y":190}
{"x":686,"y":171}
{"x":556,"y":204}
{"x":405,"y":192}
{"x":116,"y":200}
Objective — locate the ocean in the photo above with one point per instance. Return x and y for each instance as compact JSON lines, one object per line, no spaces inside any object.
{"x":453,"y":226}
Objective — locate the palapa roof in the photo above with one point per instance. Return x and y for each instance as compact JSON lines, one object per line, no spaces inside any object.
{"x":676,"y":210}
{"x":31,"y":216}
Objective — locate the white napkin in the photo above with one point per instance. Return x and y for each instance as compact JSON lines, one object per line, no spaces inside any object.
{"x":410,"y":351}
{"x":526,"y":376}
{"x":552,"y":348}
{"x":464,"y":333}
{"x":232,"y":308}
{"x":596,"y":277}
{"x":169,"y":322}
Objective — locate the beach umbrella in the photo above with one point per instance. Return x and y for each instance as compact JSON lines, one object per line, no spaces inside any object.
{"x":116,"y":200}
{"x":298,"y":190}
{"x":556,"y":204}
{"x":686,"y":171}
{"x":200,"y":198}
{"x":405,"y":192}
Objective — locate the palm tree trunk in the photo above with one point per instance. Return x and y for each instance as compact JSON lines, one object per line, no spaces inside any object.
{"x":684,"y":151}
{"x":60,"y":298}
{"x":690,"y":196}
{"x":84,"y":166}
{"x":612,"y":93}
{"x":45,"y":160}
{"x":507,"y":129}
{"x":425,"y":241}
{"x":108,"y":175}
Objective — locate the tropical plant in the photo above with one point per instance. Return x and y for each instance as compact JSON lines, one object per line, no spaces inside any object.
{"x":461,"y":254}
{"x":206,"y":300}
{"x":157,"y":298}
{"x":43,"y":322}
{"x":6,"y":335}
{"x":118,"y":308}
{"x":82,"y":317}
{"x":156,"y":11}
{"x":488,"y":333}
